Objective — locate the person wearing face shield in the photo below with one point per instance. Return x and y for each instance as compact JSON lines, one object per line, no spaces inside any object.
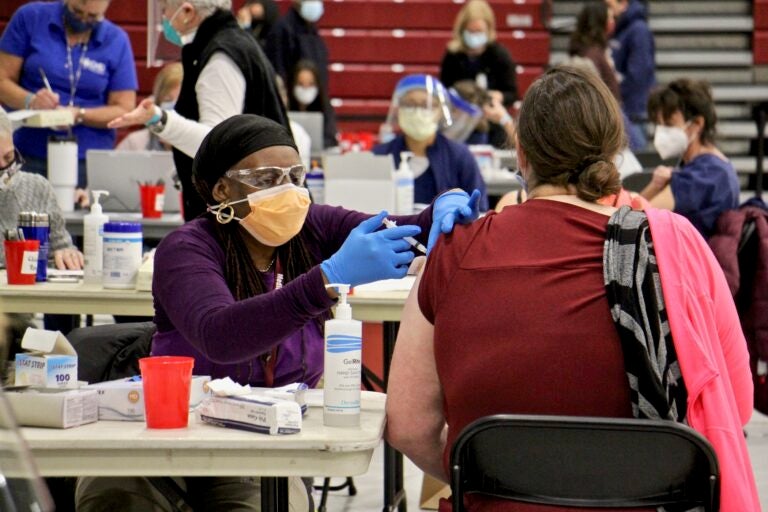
{"x":420,"y":106}
{"x":703,"y":183}
{"x":474,"y":54}
{"x":86,"y":60}
{"x":242,"y":289}
{"x":295,"y":37}
{"x":225,"y":73}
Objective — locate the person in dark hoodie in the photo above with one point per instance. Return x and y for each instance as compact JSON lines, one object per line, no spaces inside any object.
{"x":295,"y":37}
{"x":257,"y":17}
{"x":225,"y":73}
{"x":633,"y":50}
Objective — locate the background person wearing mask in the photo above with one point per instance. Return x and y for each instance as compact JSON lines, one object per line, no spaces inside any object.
{"x":307,"y":94}
{"x":247,"y":298}
{"x":419,"y":105}
{"x":474,"y":54}
{"x":295,"y":37}
{"x":634,"y":55}
{"x":704,"y":183}
{"x":225,"y":73}
{"x":569,"y":321}
{"x":257,"y":17}
{"x":88,"y":62}
{"x":165,"y":91}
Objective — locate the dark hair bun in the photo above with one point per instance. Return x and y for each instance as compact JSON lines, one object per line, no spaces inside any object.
{"x":598,"y":179}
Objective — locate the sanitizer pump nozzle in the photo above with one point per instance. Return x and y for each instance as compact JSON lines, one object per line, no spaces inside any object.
{"x":343,"y":365}
{"x":96,"y":206}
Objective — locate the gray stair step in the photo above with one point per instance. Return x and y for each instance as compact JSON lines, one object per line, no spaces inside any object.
{"x":664,"y":42}
{"x":738,"y":130}
{"x":740,"y":93}
{"x":733,"y":111}
{"x":677,"y":24}
{"x":687,"y":59}
{"x":666,"y":7}
{"x":733,"y":147}
{"x":747,"y":164}
{"x":735,"y":76}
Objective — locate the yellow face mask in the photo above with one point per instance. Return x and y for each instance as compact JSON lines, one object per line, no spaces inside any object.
{"x":277,"y":213}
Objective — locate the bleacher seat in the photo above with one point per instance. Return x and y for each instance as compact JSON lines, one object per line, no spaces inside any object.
{"x":425,"y":14}
{"x":422,"y":46}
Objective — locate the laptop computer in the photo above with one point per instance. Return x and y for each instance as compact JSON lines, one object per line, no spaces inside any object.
{"x":360,"y":181}
{"x":120,"y":172}
{"x":313,"y":123}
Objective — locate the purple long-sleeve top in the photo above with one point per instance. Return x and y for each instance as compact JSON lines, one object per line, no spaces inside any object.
{"x":197,"y":315}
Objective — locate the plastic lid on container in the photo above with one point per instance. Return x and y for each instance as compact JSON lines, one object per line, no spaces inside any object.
{"x":122,"y":227}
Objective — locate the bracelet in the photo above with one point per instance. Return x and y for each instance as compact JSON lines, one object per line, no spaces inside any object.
{"x":156,"y":117}
{"x":28,"y":100}
{"x":80,"y":118}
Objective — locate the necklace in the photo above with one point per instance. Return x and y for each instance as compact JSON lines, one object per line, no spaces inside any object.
{"x":269,"y":267}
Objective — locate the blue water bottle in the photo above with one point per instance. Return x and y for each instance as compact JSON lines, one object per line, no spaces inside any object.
{"x":36,"y":226}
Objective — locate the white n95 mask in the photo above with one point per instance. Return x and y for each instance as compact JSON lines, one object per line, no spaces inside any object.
{"x":417,"y":123}
{"x":305,"y":95}
{"x":670,"y":141}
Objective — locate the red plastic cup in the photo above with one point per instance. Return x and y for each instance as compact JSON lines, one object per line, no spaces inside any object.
{"x":166,"y":381}
{"x":152,"y":201}
{"x":21,"y":260}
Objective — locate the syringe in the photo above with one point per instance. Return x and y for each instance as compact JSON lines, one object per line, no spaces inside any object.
{"x":415,"y":243}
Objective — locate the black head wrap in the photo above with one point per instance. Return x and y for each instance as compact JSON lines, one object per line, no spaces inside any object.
{"x":232,"y":140}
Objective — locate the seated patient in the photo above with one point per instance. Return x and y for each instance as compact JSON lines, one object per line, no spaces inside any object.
{"x":242,"y":288}
{"x":419,"y":107}
{"x":546,"y":335}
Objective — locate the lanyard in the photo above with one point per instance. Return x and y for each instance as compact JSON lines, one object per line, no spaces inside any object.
{"x":74,"y":76}
{"x":269,"y":360}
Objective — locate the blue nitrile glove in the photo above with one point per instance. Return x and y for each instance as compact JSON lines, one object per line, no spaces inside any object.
{"x":454,"y":206}
{"x":368,"y":256}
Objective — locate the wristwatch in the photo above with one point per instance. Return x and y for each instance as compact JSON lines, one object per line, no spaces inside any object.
{"x":80,"y":117}
{"x":157,"y":123}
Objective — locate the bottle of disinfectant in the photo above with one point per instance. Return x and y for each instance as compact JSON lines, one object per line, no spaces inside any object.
{"x":93,"y":227}
{"x":343,"y":365}
{"x":404,"y":186}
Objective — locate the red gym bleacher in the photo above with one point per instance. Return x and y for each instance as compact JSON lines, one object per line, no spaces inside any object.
{"x":374,"y":43}
{"x":760,"y":35}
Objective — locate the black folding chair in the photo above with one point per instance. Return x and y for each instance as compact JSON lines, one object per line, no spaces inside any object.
{"x":584,"y":462}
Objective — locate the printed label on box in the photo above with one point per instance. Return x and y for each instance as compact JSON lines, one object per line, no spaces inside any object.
{"x":29,"y":262}
{"x":159,"y":202}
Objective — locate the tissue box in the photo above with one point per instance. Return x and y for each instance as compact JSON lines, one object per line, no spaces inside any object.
{"x":257,"y":413}
{"x":56,"y":408}
{"x":50,"y":361}
{"x":292,"y":392}
{"x":123,"y":399}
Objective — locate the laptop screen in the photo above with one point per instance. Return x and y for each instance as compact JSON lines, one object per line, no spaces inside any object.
{"x":120,"y":173}
{"x":313,"y":123}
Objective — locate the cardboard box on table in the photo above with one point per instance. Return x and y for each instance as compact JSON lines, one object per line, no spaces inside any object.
{"x":49,"y":361}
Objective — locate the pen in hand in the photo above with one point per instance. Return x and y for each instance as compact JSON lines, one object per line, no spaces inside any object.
{"x":415,"y":243}
{"x":45,"y":80}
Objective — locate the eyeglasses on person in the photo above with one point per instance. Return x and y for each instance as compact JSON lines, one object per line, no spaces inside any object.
{"x":270,"y":176}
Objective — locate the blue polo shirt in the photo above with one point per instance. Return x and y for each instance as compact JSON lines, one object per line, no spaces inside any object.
{"x":36,"y":34}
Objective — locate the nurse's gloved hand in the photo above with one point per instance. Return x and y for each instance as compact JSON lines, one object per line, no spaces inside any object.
{"x":368,"y":255}
{"x":450,"y":208}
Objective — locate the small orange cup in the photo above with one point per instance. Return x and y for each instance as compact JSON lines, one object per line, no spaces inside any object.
{"x":166,"y":381}
{"x":21,"y":260}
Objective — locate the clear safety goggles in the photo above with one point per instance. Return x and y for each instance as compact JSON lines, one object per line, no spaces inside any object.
{"x":266,"y":177}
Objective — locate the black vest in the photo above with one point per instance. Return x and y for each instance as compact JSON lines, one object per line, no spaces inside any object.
{"x":220,"y":33}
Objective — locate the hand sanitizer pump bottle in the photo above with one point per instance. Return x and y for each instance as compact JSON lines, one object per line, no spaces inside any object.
{"x":404,"y":186}
{"x":93,"y":240}
{"x":343,"y":365}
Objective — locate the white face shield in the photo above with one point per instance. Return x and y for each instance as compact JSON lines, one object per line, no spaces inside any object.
{"x":419,"y":107}
{"x":465,"y":116}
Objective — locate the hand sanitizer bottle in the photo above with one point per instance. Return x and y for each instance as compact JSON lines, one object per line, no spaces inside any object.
{"x":343,"y":365}
{"x":404,"y":186}
{"x":93,"y":241}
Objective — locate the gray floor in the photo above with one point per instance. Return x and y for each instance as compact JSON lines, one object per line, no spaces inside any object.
{"x":370,"y":486}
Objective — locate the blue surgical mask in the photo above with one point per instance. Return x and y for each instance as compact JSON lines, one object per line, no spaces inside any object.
{"x":170,"y":33}
{"x":311,"y":10}
{"x":475,"y":40}
{"x":77,"y":25}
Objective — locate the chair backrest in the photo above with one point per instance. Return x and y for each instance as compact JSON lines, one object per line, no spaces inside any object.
{"x":584,"y":462}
